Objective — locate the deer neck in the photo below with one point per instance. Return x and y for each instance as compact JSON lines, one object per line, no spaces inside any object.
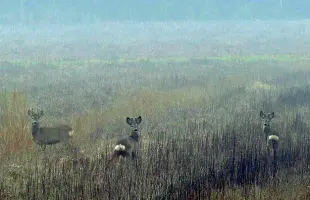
{"x":134,"y":135}
{"x":35,"y":128}
{"x":267,"y":131}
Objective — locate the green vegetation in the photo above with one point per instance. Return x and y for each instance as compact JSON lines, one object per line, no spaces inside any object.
{"x":77,"y":63}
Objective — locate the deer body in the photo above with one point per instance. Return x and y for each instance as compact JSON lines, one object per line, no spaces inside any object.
{"x":51,"y":135}
{"x":128,"y":145}
{"x":271,"y":137}
{"x":48,"y":135}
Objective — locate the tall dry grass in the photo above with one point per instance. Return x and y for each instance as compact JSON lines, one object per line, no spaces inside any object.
{"x":201,"y":135}
{"x":14,"y":129}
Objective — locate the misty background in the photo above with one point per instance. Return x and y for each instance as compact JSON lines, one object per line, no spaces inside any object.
{"x":86,"y":11}
{"x":101,"y":29}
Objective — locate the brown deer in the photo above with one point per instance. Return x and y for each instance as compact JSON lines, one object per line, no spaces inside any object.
{"x":128,"y":145}
{"x":271,"y":137}
{"x":48,"y":135}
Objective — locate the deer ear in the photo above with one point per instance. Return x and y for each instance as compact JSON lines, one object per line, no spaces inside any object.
{"x":139,"y":120}
{"x":30,"y":112}
{"x":271,"y":115}
{"x":262,"y":114}
{"x":41,"y":113}
{"x":129,"y":120}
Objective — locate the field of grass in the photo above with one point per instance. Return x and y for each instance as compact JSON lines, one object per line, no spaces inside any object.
{"x":201,"y":135}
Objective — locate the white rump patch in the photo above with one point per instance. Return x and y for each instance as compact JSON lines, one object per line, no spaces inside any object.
{"x":119,"y":147}
{"x":71,"y":133}
{"x":273,"y":137}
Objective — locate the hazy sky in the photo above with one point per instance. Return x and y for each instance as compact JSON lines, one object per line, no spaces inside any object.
{"x":85,"y":11}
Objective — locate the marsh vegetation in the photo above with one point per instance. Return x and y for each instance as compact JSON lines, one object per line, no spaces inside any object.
{"x":199,"y":88}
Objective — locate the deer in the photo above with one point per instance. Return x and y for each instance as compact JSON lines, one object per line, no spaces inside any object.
{"x":271,"y":137}
{"x":128,"y":145}
{"x":44,"y":136}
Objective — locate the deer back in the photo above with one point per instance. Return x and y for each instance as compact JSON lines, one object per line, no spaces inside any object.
{"x":52,"y":135}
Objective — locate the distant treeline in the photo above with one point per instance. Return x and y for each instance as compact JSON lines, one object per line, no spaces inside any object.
{"x":71,"y":11}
